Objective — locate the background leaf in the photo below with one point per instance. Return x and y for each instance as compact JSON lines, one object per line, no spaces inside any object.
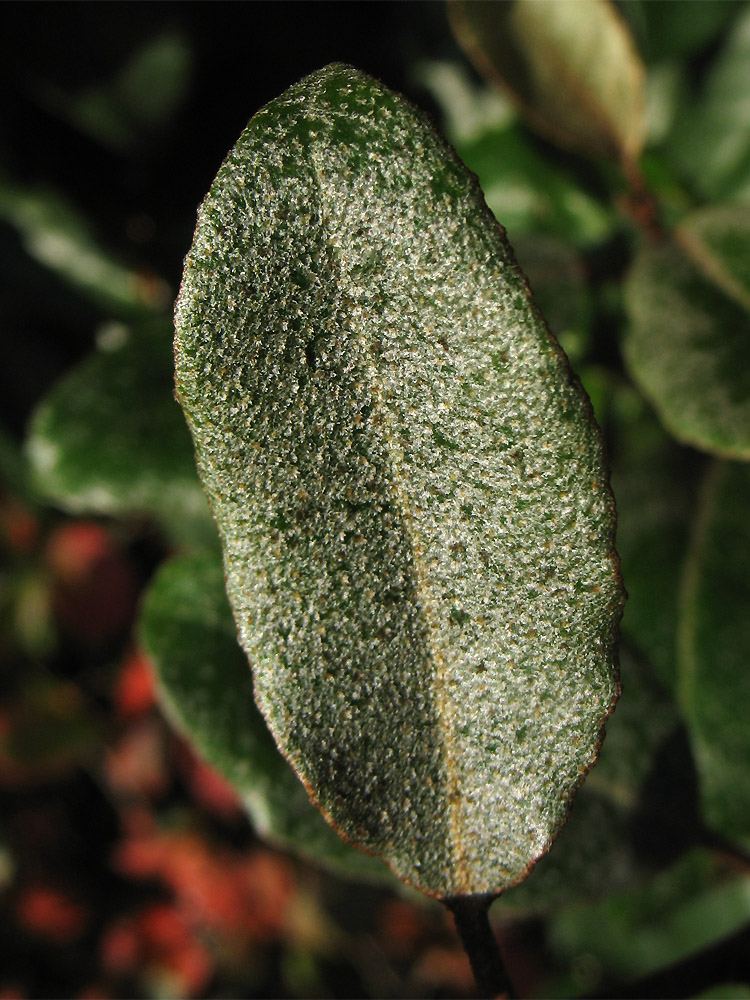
{"x":188,"y":630}
{"x":689,"y":334}
{"x":526,"y":192}
{"x":142,"y":96}
{"x":571,"y":65}
{"x":710,"y":143}
{"x":714,"y":633}
{"x":685,"y":909}
{"x":412,"y":501}
{"x":56,"y":236}
{"x":654,"y":480}
{"x":110,"y":439}
{"x":665,"y":32}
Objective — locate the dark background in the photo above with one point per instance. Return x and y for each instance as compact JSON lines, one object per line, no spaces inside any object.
{"x":142,"y":200}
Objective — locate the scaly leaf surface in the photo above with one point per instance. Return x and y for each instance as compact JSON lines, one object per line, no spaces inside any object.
{"x":408,"y":483}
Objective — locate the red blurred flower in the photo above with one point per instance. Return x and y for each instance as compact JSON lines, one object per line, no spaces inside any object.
{"x":93,"y":583}
{"x":239,"y":896}
{"x":158,"y":943}
{"x":50,"y":913}
{"x":207,"y":786}
{"x":135,"y":689}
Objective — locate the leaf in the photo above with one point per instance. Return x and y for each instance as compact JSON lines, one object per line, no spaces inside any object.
{"x":714,"y":633}
{"x":685,"y":909}
{"x":725,"y":991}
{"x":710,"y":143}
{"x":596,"y":853}
{"x":689,"y":332}
{"x":558,"y":280}
{"x":674,"y":30}
{"x":527,"y":194}
{"x":408,"y":484}
{"x":654,"y":481}
{"x":110,"y":439}
{"x":56,"y":235}
{"x":143,"y":95}
{"x":522,"y":188}
{"x":571,"y":65}
{"x":206,"y":686}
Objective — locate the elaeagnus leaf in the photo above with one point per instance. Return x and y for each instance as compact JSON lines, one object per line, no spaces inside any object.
{"x":570,"y":65}
{"x":187,"y":629}
{"x":408,"y":484}
{"x":713,"y":632}
{"x":688,"y":303}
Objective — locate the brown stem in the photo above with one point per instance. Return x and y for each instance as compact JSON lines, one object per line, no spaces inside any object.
{"x":470,"y":914}
{"x":730,"y":854}
{"x":641,"y":204}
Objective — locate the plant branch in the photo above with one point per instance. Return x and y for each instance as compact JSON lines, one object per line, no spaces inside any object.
{"x":641,"y":204}
{"x":470,"y":914}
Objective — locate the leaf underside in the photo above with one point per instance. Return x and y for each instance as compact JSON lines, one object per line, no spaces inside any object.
{"x":408,"y":483}
{"x":187,"y":629}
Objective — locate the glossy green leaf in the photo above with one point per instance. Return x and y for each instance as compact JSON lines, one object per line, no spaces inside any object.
{"x":207,"y":689}
{"x":110,"y":438}
{"x":571,"y":65}
{"x":408,"y":484}
{"x":688,"y":341}
{"x":714,"y":634}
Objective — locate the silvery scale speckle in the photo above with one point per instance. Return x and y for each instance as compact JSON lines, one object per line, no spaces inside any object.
{"x":408,"y":483}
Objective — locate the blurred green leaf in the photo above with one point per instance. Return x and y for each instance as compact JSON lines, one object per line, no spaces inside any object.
{"x":57,"y":236}
{"x":710,"y":142}
{"x":14,"y":473}
{"x":653,"y":479}
{"x":571,"y":65}
{"x":49,"y":729}
{"x":668,"y":29}
{"x":558,"y":280}
{"x":188,"y":630}
{"x":110,"y":438}
{"x":714,"y":636}
{"x":469,"y":109}
{"x":142,"y":96}
{"x":526,"y":193}
{"x":688,"y":340}
{"x":692,"y":905}
{"x":717,"y":238}
{"x":725,"y":991}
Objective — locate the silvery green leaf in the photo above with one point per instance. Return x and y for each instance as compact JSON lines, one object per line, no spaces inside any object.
{"x":408,"y":483}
